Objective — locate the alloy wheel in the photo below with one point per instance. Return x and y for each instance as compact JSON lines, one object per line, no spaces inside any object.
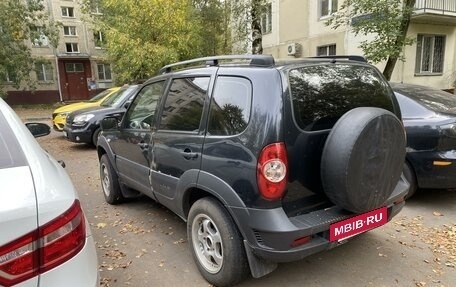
{"x":207,"y":243}
{"x":105,"y":180}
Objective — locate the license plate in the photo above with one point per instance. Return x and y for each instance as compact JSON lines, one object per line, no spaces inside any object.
{"x":65,"y":134}
{"x":355,"y":225}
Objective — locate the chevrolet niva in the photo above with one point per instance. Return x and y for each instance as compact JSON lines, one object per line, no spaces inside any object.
{"x":266,"y":161}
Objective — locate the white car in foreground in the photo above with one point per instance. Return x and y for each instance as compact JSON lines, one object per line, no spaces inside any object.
{"x":44,"y":237}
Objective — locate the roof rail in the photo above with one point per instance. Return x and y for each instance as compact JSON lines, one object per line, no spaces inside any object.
{"x":349,"y":57}
{"x":256,"y":60}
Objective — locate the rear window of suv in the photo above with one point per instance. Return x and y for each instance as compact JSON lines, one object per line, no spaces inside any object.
{"x":321,"y":94}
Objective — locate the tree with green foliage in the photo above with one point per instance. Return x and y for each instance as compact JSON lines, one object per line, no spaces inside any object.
{"x":246,"y":24}
{"x":213,"y":26}
{"x":20,"y":23}
{"x":386,"y":20}
{"x":144,"y":35}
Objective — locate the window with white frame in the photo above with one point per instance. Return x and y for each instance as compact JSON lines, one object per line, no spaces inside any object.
{"x":8,"y":77}
{"x":95,"y":7}
{"x":68,"y":12}
{"x":430,"y":52}
{"x":72,"y":47}
{"x":99,"y":39}
{"x":104,"y":72}
{"x":44,"y":72}
{"x":39,"y":39}
{"x":69,"y":31}
{"x":266,"y":20}
{"x":328,"y":50}
{"x":327,"y":7}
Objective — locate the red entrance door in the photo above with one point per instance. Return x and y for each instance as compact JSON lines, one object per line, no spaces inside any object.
{"x":76,"y":84}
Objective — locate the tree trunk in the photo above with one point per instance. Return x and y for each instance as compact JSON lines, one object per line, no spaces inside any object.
{"x":389,"y":68}
{"x":257,"y":37}
{"x":406,"y":15}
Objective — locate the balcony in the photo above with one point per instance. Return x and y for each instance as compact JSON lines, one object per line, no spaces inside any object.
{"x":435,"y":12}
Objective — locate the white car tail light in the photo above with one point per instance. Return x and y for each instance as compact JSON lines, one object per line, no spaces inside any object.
{"x":43,"y":249}
{"x":272,"y":171}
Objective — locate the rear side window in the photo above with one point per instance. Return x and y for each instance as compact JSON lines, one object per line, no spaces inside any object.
{"x":6,"y":159}
{"x":184,"y":105}
{"x":230,"y":106}
{"x":321,"y":94}
{"x":11,"y":155}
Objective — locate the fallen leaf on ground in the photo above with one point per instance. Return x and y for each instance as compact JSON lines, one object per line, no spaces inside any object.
{"x":101,"y":225}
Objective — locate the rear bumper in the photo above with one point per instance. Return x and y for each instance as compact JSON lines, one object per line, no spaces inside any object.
{"x":270,"y":233}
{"x":434,"y":169}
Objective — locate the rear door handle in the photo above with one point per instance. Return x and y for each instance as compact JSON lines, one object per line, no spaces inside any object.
{"x":188,"y":154}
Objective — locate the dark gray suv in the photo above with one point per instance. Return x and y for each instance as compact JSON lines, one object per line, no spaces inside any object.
{"x":267,"y":162}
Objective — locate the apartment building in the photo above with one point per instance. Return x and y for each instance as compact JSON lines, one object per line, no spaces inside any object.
{"x":74,"y":70}
{"x":296,"y":28}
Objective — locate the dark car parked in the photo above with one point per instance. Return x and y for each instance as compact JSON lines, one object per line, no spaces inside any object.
{"x":429,"y":117}
{"x":267,"y":162}
{"x":83,"y":126}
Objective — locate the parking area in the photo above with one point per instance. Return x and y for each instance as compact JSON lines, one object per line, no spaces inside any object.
{"x":140,"y":243}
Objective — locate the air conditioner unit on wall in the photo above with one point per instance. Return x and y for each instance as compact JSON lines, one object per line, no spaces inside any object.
{"x":294,"y":49}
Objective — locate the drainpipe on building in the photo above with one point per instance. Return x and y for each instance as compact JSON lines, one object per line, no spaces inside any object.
{"x":58,"y":74}
{"x":51,"y":16}
{"x":86,"y":32}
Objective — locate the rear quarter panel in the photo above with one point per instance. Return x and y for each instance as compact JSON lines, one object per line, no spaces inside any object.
{"x":233,"y":159}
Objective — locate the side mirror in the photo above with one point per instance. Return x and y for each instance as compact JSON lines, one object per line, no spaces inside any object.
{"x":127,"y":104}
{"x":38,"y":129}
{"x":109,"y":123}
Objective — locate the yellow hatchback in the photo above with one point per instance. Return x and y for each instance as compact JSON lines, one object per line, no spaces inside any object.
{"x":59,"y":115}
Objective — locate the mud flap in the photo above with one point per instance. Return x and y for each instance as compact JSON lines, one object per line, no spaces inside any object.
{"x":128,"y":192}
{"x":258,"y":267}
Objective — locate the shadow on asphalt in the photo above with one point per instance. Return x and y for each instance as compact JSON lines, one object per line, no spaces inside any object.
{"x":82,"y":147}
{"x":443,"y":198}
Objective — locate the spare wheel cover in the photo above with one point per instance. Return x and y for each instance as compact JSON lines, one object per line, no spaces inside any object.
{"x":362,"y":159}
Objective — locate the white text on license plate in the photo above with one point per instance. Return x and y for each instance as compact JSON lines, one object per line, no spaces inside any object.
{"x":358,"y":224}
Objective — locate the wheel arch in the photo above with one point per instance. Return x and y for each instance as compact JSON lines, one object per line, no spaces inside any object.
{"x":411,"y":164}
{"x":213,"y":187}
{"x":209,"y":185}
{"x":413,"y":178}
{"x":104,"y":148}
{"x":97,"y":132}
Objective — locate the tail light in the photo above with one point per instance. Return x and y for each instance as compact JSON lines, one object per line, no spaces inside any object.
{"x":43,"y":249}
{"x":272,"y":171}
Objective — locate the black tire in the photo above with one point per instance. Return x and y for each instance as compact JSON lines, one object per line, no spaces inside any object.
{"x":110,"y":182}
{"x":363,"y":158}
{"x":95,"y":136}
{"x":226,"y":262}
{"x":411,"y":178}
